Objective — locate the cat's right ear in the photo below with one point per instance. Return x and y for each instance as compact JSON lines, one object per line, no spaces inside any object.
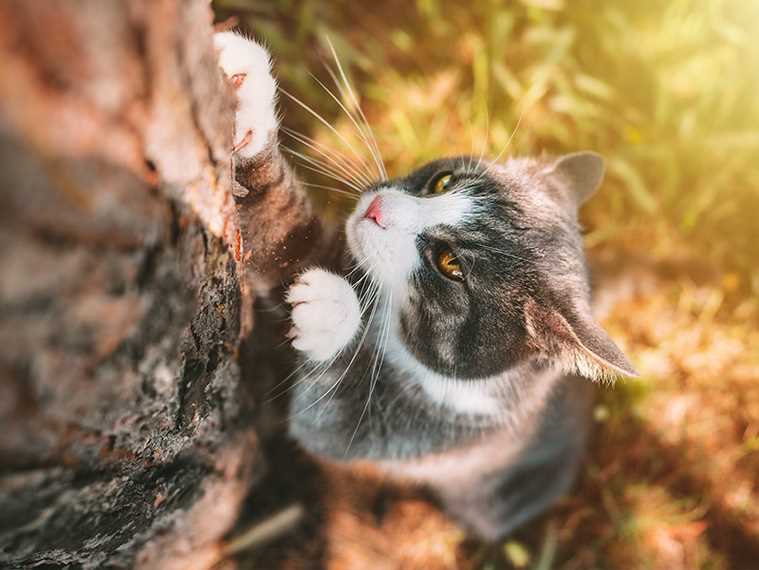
{"x":580,"y":172}
{"x":576,"y":341}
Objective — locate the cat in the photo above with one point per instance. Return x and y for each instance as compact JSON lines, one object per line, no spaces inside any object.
{"x":451,"y":342}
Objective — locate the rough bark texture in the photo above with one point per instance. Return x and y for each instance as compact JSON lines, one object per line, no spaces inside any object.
{"x":123,"y":431}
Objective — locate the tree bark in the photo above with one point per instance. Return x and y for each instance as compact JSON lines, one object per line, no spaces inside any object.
{"x":123,"y":432}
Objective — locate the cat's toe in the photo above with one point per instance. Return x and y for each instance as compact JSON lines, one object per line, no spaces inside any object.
{"x":248,"y":67}
{"x":318,"y":328}
{"x":316,"y":345}
{"x":325,"y":315}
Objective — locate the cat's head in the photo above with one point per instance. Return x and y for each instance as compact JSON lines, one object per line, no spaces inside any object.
{"x":485,"y":262}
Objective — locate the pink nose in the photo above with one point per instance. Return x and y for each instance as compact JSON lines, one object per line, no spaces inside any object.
{"x":374,"y":212}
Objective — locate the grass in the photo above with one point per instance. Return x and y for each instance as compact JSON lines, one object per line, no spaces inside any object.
{"x":667,"y":91}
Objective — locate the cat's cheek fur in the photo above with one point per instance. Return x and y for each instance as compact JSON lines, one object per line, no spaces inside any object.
{"x":391,"y":251}
{"x":256,"y":115}
{"x":326,"y":314}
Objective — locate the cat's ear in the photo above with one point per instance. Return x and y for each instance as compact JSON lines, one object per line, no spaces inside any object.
{"x":581,"y":172}
{"x":580,"y":343}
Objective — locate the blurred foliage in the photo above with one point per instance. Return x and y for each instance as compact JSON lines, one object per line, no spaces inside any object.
{"x":667,"y":91}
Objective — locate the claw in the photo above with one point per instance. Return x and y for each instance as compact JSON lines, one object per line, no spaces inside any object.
{"x":237,"y":79}
{"x":244,"y":142}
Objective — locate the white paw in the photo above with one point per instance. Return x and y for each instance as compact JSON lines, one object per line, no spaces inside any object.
{"x":248,"y":66}
{"x":326,"y":313}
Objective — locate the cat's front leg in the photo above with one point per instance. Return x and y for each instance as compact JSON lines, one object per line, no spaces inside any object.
{"x":279,"y":232}
{"x":248,"y":66}
{"x":326,"y":314}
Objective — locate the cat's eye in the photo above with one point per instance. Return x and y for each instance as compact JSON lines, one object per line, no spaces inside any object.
{"x":441,"y":183}
{"x":449,"y":265}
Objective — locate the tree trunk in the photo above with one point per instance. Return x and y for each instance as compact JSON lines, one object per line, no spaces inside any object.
{"x":123,"y":439}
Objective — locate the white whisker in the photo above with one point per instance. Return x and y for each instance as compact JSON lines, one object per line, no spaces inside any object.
{"x":330,"y":154}
{"x":508,"y":143}
{"x":319,"y":163}
{"x":355,"y":268}
{"x":483,"y":148}
{"x":324,"y":122}
{"x":358,"y":128}
{"x":376,"y":154}
{"x":375,"y":370}
{"x":318,"y":167}
{"x":333,"y":389}
{"x":351,"y":195}
{"x":504,"y":253}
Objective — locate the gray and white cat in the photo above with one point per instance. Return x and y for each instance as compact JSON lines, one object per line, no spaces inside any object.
{"x":453,"y":347}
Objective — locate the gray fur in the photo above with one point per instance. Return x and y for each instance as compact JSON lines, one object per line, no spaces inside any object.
{"x":521,"y":318}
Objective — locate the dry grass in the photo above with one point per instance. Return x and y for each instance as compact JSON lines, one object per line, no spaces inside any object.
{"x":667,"y":91}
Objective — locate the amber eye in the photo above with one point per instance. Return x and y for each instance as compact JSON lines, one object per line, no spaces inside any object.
{"x":440,"y":184}
{"x":449,"y":265}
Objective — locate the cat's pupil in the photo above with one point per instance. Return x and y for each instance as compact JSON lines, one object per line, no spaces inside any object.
{"x":449,"y":265}
{"x":441,"y":182}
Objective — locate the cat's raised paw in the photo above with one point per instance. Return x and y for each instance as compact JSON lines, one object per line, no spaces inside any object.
{"x":326,"y":314}
{"x":248,"y":66}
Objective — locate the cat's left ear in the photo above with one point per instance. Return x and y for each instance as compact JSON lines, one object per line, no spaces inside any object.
{"x":581,"y":172}
{"x":580,"y":344}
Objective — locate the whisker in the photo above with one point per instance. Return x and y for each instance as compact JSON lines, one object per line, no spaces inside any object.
{"x":339,"y":164}
{"x":285,"y":379}
{"x":323,"y":121}
{"x":334,"y":386}
{"x":375,"y":371}
{"x":322,"y":367}
{"x":362,"y":279}
{"x":305,"y":164}
{"x":374,"y":293}
{"x":485,"y":143}
{"x":317,"y":162}
{"x":505,"y":253}
{"x":351,"y":195}
{"x":469,"y":168}
{"x":313,"y":382}
{"x":355,"y":268}
{"x":376,"y":154}
{"x":361,"y":132}
{"x":369,"y":143}
{"x":327,"y":365}
{"x":316,"y":166}
{"x":330,"y":154}
{"x":508,"y":142}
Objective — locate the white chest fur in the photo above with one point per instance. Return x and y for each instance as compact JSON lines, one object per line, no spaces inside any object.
{"x":483,"y":397}
{"x":462,"y":396}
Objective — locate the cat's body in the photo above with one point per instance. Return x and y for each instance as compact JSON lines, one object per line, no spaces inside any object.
{"x":492,"y":472}
{"x":447,"y":349}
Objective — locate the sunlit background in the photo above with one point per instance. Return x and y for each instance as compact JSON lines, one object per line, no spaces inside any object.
{"x":668,"y":92}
